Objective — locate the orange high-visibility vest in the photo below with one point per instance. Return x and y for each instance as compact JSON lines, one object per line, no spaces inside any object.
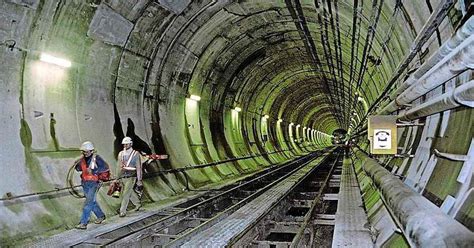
{"x":86,"y":176}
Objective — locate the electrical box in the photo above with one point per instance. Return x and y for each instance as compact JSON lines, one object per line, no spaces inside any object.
{"x":382,"y":134}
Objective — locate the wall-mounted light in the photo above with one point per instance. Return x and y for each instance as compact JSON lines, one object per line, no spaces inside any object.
{"x":266,"y":116}
{"x":237,"y":109}
{"x":54,"y":60}
{"x":195,"y":98}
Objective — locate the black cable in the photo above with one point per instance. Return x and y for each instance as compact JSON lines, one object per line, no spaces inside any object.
{"x":69,"y":183}
{"x":72,"y":188}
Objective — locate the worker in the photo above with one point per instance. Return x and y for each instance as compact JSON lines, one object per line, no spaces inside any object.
{"x":93,"y":170}
{"x":129,"y":169}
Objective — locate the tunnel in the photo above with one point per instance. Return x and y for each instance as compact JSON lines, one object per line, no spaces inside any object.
{"x":227,"y":89}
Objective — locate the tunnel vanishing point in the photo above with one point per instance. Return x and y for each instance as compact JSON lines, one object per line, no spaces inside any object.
{"x":228,"y":89}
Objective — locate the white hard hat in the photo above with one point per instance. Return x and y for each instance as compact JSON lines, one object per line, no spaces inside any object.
{"x":87,"y":146}
{"x":127,"y":140}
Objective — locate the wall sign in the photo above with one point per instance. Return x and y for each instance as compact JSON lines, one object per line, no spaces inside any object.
{"x":382,"y":139}
{"x":382,"y":134}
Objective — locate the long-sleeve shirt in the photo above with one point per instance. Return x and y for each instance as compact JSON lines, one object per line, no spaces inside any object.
{"x":125,"y":168}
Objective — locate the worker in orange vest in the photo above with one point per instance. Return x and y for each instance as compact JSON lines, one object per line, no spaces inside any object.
{"x":92,"y":168}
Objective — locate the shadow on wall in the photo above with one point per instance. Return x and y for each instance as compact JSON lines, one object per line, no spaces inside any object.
{"x":118,"y":132}
{"x":138,"y":143}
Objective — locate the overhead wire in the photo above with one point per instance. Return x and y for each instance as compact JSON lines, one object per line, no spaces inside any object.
{"x":428,"y":29}
{"x":329,"y":58}
{"x":296,"y":11}
{"x":333,"y":59}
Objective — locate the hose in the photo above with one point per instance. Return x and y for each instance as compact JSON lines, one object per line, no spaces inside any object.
{"x":71,"y":187}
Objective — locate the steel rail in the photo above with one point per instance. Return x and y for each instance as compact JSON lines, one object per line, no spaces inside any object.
{"x":311,"y":212}
{"x":237,"y":240}
{"x":158,"y":218}
{"x":188,"y":235}
{"x":138,"y":232}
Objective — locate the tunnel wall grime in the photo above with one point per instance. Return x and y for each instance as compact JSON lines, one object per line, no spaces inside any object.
{"x":133,"y":65}
{"x":274,"y":80}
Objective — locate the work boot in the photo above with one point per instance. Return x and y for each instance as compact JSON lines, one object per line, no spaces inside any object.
{"x":81,"y":226}
{"x":138,"y":208}
{"x":99,"y":220}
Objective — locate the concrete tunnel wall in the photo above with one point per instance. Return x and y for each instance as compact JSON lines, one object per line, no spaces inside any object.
{"x":134,"y":65}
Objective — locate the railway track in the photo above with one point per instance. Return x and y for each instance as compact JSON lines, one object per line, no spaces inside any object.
{"x":165,"y":226}
{"x":296,"y":212}
{"x":304,"y":217}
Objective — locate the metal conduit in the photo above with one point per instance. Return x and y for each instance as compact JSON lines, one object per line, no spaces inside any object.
{"x":424,"y":224}
{"x":465,"y":32}
{"x":431,"y":24}
{"x":462,"y":34}
{"x":459,"y":60}
{"x":462,"y":95}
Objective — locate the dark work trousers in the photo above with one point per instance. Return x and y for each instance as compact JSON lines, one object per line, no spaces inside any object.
{"x":90,"y":191}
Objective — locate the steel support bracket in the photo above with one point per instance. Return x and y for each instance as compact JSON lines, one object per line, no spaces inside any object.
{"x":409,"y":124}
{"x":450,"y":156}
{"x":404,"y":155}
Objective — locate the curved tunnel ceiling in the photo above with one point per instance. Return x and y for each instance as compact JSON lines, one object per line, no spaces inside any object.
{"x":273,"y":57}
{"x":320,"y":65}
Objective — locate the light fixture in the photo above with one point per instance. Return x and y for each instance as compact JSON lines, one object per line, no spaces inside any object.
{"x":360,"y":99}
{"x":237,"y":109}
{"x":56,"y":61}
{"x":266,"y":116}
{"x":291,"y":124}
{"x":280,"y":120}
{"x":195,"y":98}
{"x":297,"y":126}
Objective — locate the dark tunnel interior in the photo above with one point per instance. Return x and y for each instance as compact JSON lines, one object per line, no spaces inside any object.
{"x":233,"y":87}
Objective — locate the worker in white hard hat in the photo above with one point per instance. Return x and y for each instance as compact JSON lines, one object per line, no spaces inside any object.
{"x":129,"y":170}
{"x":93,"y":170}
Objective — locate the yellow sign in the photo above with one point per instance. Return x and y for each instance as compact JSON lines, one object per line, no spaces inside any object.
{"x":382,"y":134}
